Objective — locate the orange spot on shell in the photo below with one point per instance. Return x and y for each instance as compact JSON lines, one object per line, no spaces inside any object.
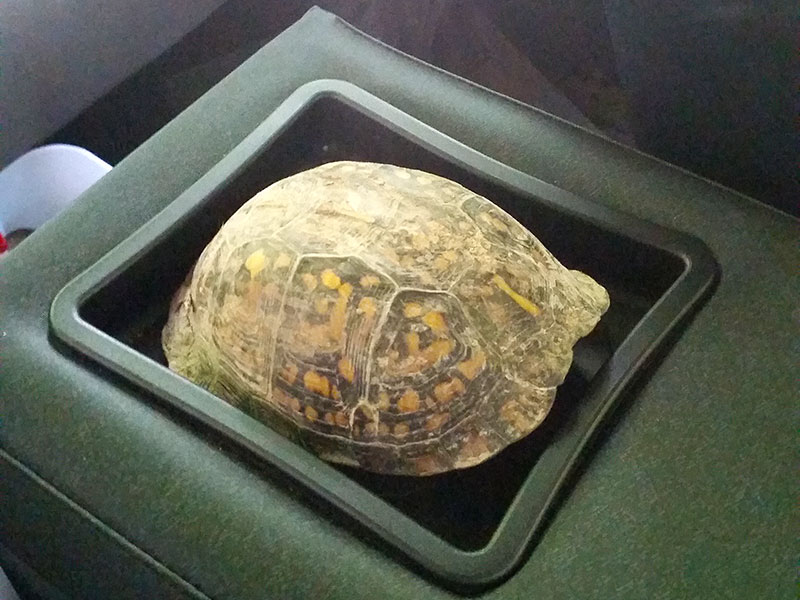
{"x":341,"y":419}
{"x":435,"y":320}
{"x":289,"y":373}
{"x":473,"y":447}
{"x":426,"y":465}
{"x":346,"y":369}
{"x":512,"y":413}
{"x":436,"y":421}
{"x":311,"y":413}
{"x":330,"y":279}
{"x":437,"y":350}
{"x":409,"y":401}
{"x":400,"y":429}
{"x":345,"y":290}
{"x":317,"y":383}
{"x":471,"y":367}
{"x":412,"y":343}
{"x":411,"y":310}
{"x":369,"y":281}
{"x":384,"y":401}
{"x":425,"y":358}
{"x":448,"y":390}
{"x":329,"y":418}
{"x":367,"y":307}
{"x":338,"y":319}
{"x":286,"y":400}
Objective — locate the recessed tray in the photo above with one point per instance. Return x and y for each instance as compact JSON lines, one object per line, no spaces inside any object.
{"x":470,"y":527}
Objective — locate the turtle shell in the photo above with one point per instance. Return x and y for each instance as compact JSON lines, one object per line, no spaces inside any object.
{"x":383,"y":317}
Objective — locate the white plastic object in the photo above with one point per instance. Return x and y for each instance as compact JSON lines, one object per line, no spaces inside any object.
{"x":41,"y":183}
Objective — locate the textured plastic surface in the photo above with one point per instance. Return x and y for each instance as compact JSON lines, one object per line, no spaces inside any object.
{"x":468,"y":527}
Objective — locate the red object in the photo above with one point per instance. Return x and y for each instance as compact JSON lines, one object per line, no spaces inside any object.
{"x":3,"y":244}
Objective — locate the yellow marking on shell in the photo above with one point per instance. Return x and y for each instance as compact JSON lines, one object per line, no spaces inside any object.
{"x":412,"y":343}
{"x":283,"y":261}
{"x":436,"y":421}
{"x":437,"y":350}
{"x":383,"y":429}
{"x":317,"y":336}
{"x":435,"y":320}
{"x":409,"y":401}
{"x":311,"y":413}
{"x":309,"y":281}
{"x":367,"y":411}
{"x":321,"y":306}
{"x":447,"y":390}
{"x":401,"y":429}
{"x":338,"y":318}
{"x":368,"y":281}
{"x":341,"y":419}
{"x":335,"y":393}
{"x":384,"y":402}
{"x":471,"y":367}
{"x":412,"y":310}
{"x":368,"y":307}
{"x":370,"y":428}
{"x":345,"y":290}
{"x":317,"y":383}
{"x":329,"y":419}
{"x":289,"y":373}
{"x":330,"y":279}
{"x":256,"y":263}
{"x":521,"y":300}
{"x":425,"y":358}
{"x":347,"y":370}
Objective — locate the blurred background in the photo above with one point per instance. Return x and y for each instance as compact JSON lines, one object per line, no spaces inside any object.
{"x":708,"y":86}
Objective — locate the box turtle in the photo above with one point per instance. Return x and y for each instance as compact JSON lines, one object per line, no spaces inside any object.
{"x":382,"y":317}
